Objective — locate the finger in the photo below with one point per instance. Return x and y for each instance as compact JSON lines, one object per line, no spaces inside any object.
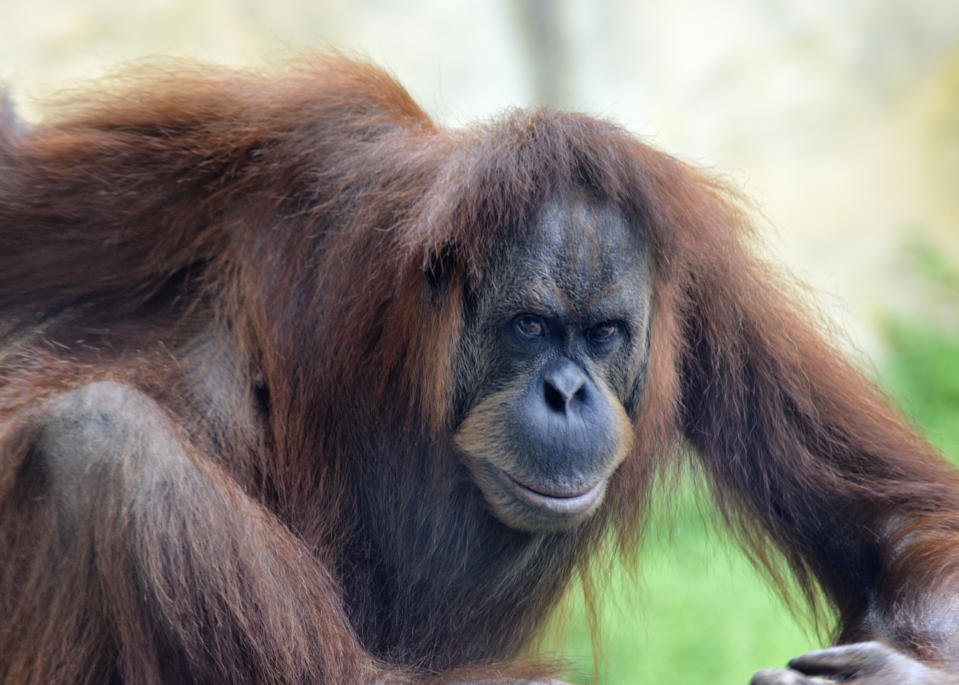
{"x":844,"y":660}
{"x":779,"y":676}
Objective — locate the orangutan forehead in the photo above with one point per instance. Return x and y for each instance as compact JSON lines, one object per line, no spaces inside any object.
{"x":578,"y":216}
{"x":591,"y":248}
{"x":579,"y":256}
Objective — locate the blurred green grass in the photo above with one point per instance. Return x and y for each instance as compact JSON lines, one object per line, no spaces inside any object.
{"x":696,"y":613}
{"x":699,"y":613}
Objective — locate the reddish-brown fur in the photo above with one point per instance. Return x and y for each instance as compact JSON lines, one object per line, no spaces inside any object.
{"x":250,"y":251}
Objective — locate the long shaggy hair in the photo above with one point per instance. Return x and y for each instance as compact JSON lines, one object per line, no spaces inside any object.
{"x":271,"y":235}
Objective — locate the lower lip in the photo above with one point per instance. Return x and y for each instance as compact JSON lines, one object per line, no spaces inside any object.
{"x":560,"y":506}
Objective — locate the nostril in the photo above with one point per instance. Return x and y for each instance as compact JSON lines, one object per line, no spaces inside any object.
{"x":563,"y":384}
{"x":554,"y":398}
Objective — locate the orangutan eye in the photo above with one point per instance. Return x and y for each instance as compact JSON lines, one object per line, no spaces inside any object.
{"x":530,"y":326}
{"x":603,"y":334}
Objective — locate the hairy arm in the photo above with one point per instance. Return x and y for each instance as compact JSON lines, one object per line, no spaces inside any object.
{"x":144,"y":560}
{"x":809,"y":455}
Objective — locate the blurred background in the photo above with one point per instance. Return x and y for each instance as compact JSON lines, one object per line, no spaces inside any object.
{"x":839,"y":118}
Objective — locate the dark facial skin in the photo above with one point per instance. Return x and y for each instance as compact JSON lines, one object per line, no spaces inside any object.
{"x":558,"y":347}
